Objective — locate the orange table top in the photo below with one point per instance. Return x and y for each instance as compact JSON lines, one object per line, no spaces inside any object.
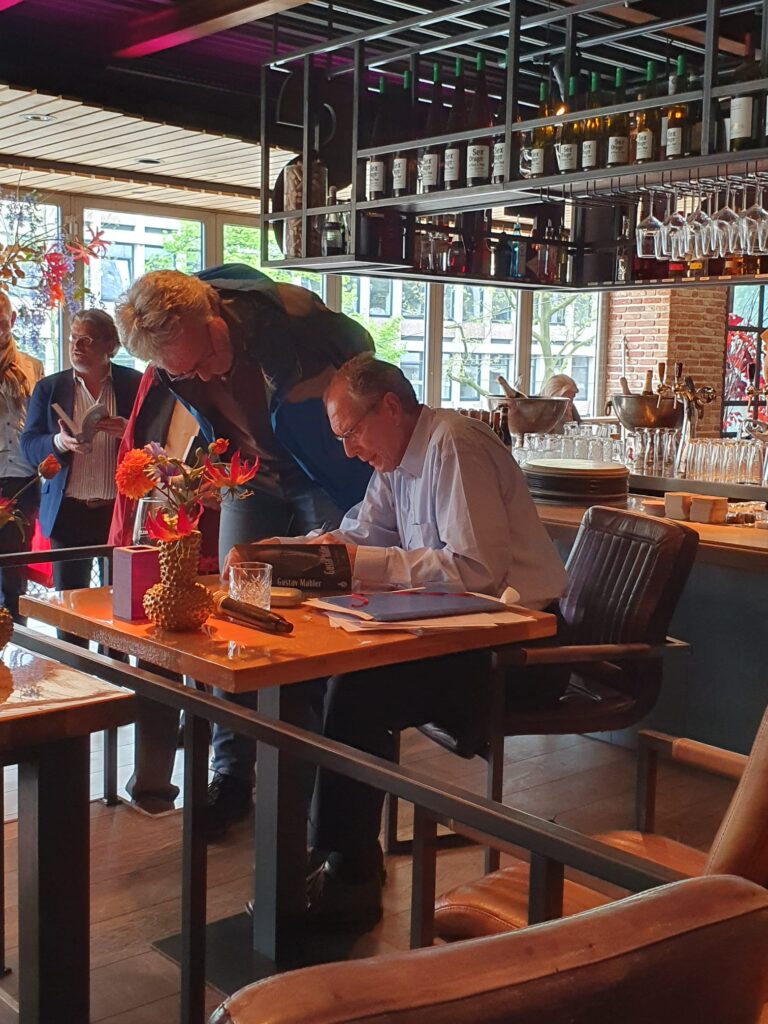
{"x":238,"y":659}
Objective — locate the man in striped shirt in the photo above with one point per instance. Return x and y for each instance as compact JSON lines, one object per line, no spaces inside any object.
{"x":76,"y":505}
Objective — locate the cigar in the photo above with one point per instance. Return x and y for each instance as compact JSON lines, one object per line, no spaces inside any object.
{"x":248,"y":614}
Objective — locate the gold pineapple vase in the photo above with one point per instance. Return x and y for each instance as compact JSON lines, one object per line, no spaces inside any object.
{"x":178,"y":602}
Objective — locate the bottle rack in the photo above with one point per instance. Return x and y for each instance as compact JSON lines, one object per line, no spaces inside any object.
{"x":354,"y":55}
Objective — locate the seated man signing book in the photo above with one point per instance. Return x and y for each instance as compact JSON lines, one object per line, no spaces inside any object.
{"x":447,"y":504}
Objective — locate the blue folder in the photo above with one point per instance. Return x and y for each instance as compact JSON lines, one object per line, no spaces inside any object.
{"x":397,"y":605}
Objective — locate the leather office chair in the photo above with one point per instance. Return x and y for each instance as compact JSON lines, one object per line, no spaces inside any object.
{"x":626,"y":572}
{"x":693,"y":950}
{"x":499,"y":902}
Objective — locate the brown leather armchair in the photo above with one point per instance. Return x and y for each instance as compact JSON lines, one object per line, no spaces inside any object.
{"x":499,"y":902}
{"x":693,"y":950}
{"x":625,"y":575}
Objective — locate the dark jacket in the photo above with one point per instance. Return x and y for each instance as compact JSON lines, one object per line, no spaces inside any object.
{"x":42,"y":425}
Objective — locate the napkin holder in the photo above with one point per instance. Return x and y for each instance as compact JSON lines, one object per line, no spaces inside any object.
{"x":134,"y":570}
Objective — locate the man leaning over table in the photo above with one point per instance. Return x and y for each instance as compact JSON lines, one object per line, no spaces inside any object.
{"x":446,"y":505}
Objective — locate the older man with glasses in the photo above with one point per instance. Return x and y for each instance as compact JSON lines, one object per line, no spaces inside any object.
{"x":252,"y":358}
{"x":76,"y":505}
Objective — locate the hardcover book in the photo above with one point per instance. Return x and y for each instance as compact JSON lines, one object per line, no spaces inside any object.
{"x":313,"y":568}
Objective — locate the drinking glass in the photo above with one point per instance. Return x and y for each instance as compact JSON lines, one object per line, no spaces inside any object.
{"x":145,"y":508}
{"x":648,"y":234}
{"x":727,"y":227}
{"x":700,"y":228}
{"x":754,"y":225}
{"x":674,"y":230}
{"x":251,"y":582}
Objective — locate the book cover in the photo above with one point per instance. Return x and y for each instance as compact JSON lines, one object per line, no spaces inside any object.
{"x":313,"y":568}
{"x":85,"y":430}
{"x":402,"y":605}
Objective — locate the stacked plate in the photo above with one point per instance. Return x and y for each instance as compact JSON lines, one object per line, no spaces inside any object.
{"x":577,"y":481}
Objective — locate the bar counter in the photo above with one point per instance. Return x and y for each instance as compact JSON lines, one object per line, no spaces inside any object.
{"x":719,"y":692}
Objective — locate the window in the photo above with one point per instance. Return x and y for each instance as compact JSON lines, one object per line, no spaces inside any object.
{"x":242,"y":244}
{"x":380,"y":297}
{"x":581,"y":371}
{"x":139,"y":243}
{"x":472,"y":303}
{"x":37,"y":328}
{"x":469,"y":382}
{"x":471,"y":340}
{"x":503,"y":304}
{"x":412,"y":365}
{"x":747,"y":318}
{"x":414,"y":299}
{"x":564,"y":329}
{"x":398,"y":340}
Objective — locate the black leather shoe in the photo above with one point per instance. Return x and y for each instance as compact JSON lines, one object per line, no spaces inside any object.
{"x":338,"y":904}
{"x":229,"y":800}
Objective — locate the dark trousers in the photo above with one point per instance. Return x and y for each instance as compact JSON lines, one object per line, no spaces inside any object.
{"x":78,"y":525}
{"x":362,"y":709}
{"x":15,"y":538}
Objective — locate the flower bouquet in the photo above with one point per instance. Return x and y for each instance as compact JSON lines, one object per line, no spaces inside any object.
{"x":178,"y":602}
{"x":11,"y":513}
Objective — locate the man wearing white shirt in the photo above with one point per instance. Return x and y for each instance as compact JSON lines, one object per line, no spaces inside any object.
{"x":447,"y":505}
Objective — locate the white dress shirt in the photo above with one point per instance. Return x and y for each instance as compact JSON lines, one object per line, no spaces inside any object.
{"x":456,"y":511}
{"x":92,"y":476}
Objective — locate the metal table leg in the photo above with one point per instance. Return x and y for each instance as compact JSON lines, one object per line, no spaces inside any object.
{"x":282,"y":787}
{"x":54,"y":897}
{"x":194,"y":870}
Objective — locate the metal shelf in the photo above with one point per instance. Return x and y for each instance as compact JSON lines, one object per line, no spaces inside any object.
{"x":346,"y":264}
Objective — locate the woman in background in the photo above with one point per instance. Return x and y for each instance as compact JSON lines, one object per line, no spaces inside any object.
{"x":560,"y":385}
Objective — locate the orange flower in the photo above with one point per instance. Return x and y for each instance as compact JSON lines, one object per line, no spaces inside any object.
{"x":218,"y":447}
{"x":131,"y":476}
{"x":49,"y":467}
{"x":237,"y":473}
{"x":169,"y":528}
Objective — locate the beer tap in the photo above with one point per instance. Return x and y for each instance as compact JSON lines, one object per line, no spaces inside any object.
{"x":663,"y":389}
{"x":694,"y":399}
{"x":754,"y":390}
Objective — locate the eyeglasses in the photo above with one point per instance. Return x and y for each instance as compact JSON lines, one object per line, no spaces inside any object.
{"x":174,"y":378}
{"x":84,"y":340}
{"x":349,"y":434}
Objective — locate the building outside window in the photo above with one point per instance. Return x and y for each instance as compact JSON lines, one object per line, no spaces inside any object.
{"x":380,"y":297}
{"x":414,"y":299}
{"x":477,"y":341}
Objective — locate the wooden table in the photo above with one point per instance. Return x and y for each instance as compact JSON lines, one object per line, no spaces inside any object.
{"x":238,"y":659}
{"x":47,"y":713}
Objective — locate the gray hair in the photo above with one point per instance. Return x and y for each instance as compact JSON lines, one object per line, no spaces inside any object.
{"x":149,"y":314}
{"x":102,"y":325}
{"x":368,"y":379}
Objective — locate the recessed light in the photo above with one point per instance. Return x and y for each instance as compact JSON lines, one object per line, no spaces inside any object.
{"x":148,"y":160}
{"x":41,"y":118}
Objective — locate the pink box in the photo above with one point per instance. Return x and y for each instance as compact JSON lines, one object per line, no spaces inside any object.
{"x":134,"y":571}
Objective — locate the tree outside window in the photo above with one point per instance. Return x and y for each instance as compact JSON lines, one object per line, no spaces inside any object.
{"x":470,"y":384}
{"x":503,"y":304}
{"x":563,"y":323}
{"x":414,"y":300}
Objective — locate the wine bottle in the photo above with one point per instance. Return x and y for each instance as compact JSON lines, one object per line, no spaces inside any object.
{"x":592,"y":134}
{"x":567,"y":146}
{"x":479,"y":150}
{"x":404,"y":161}
{"x":429,"y":157}
{"x":543,"y":138}
{"x":333,"y":238}
{"x":618,"y":127}
{"x":455,"y":152}
{"x":376,"y":168}
{"x":646,"y":132}
{"x":745,"y":108}
{"x":499,"y":150}
{"x":622,"y":272}
{"x":677,"y":114}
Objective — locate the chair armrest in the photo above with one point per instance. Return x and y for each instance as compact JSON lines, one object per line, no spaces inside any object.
{"x":695,"y":754}
{"x":579,"y":654}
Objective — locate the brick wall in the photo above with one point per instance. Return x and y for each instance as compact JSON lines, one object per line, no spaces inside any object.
{"x":671,"y":325}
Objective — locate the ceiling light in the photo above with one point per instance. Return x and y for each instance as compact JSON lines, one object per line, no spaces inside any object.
{"x":42,"y":118}
{"x":148,"y":160}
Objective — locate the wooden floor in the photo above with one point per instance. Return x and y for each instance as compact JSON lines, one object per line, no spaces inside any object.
{"x":581,"y":783}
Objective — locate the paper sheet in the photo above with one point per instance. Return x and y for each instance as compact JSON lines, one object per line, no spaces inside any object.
{"x":479,"y":620}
